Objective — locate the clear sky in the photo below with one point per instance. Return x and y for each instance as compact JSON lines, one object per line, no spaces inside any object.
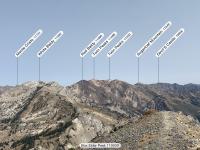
{"x":81,"y":21}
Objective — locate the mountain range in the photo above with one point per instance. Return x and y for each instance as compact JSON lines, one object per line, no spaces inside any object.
{"x":40,"y":115}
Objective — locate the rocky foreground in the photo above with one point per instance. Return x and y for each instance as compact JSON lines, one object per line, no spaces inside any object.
{"x":49,"y":116}
{"x":156,"y":131}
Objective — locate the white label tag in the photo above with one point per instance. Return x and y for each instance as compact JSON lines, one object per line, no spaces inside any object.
{"x":100,"y":145}
{"x":119,"y":44}
{"x":50,"y":44}
{"x":153,"y":39}
{"x":104,"y":44}
{"x":170,"y":42}
{"x":28,"y":43}
{"x":92,"y":45}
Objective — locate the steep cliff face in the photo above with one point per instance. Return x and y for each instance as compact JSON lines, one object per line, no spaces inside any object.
{"x":133,"y":100}
{"x":36,"y":115}
{"x":50,"y":116}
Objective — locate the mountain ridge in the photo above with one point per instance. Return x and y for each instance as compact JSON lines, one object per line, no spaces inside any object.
{"x":153,"y":94}
{"x":44,"y":115}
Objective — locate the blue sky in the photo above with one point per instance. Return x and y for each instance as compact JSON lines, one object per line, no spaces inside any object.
{"x":81,"y":21}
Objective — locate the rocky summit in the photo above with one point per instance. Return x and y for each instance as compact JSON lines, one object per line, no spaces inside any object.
{"x":39,"y":115}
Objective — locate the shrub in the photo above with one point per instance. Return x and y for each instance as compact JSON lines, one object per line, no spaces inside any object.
{"x":149,"y":112}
